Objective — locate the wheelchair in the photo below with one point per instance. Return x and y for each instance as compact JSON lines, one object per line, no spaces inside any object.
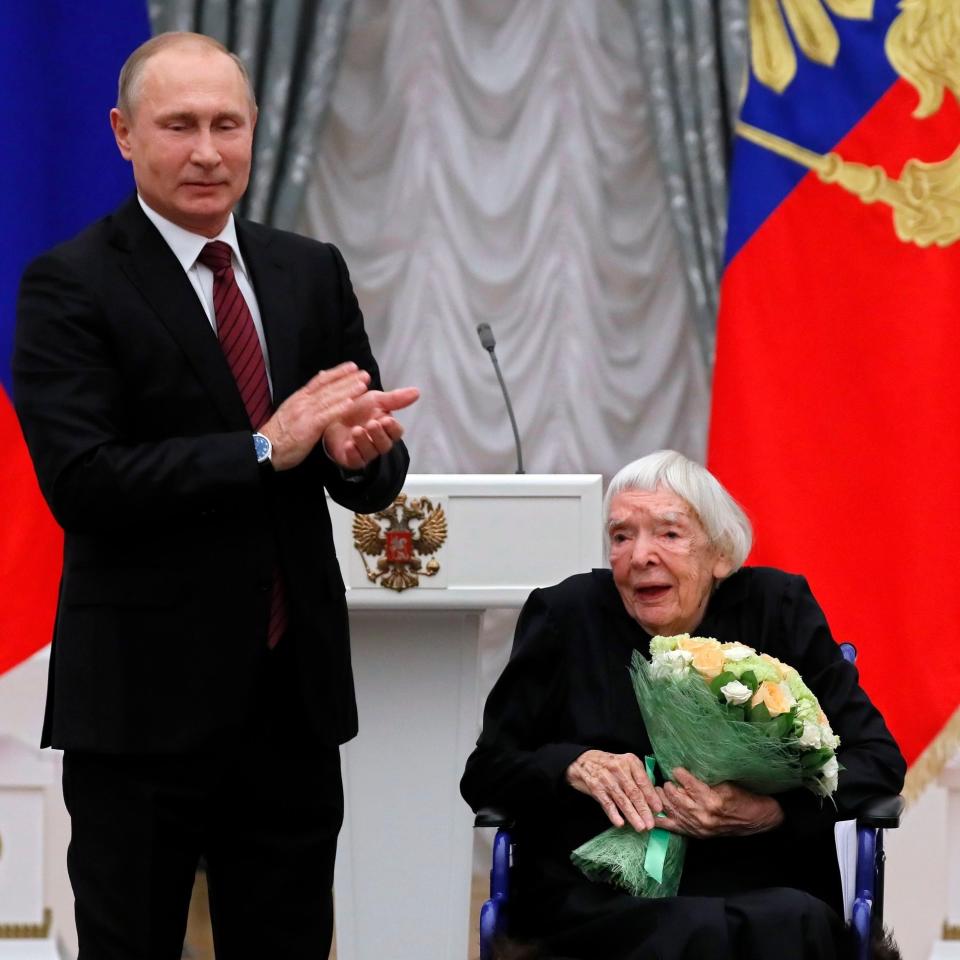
{"x":879,"y":814}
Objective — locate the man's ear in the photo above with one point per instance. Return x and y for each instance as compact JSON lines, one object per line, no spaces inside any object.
{"x":121,"y":132}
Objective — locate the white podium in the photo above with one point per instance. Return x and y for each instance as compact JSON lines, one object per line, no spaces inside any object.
{"x":402,"y":886}
{"x":948,"y":946}
{"x":24,"y":921}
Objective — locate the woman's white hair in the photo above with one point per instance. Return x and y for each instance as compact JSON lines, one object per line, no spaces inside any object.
{"x":722,"y":517}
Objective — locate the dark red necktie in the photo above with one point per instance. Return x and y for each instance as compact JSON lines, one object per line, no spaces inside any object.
{"x":241,"y":346}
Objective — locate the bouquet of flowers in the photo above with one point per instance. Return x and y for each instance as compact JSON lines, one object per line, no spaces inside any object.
{"x":725,"y":713}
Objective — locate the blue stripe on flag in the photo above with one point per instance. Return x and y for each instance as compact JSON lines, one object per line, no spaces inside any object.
{"x":59,"y":62}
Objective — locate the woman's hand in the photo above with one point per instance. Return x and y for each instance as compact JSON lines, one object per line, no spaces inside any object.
{"x":696,"y":810}
{"x":619,"y":783}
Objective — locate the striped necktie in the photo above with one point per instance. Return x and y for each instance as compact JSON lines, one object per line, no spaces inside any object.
{"x":241,"y":346}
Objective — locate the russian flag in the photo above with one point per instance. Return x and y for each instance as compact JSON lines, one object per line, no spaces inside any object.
{"x":59,"y":62}
{"x":836,"y":396}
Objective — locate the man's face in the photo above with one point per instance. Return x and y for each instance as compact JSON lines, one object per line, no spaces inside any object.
{"x":190,"y":137}
{"x":663,"y":563}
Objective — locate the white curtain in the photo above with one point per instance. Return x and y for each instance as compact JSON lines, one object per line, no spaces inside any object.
{"x":491,"y":161}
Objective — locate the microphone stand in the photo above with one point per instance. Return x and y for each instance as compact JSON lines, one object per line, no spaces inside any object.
{"x":489,"y":344}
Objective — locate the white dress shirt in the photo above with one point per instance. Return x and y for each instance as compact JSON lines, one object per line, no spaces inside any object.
{"x":186,"y":247}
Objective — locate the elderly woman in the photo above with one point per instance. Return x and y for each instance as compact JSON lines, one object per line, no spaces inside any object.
{"x":563,"y":737}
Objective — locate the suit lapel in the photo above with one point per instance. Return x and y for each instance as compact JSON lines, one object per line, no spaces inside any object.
{"x":275,"y":298}
{"x":157,"y":274}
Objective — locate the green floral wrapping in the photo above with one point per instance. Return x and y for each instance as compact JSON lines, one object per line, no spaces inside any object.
{"x":617,"y":856}
{"x":693,"y":723}
{"x":688,"y":727}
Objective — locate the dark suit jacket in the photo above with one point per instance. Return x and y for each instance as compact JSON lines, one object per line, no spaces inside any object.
{"x":143,"y":450}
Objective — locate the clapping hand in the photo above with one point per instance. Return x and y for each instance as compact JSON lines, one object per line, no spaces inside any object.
{"x":356,"y":424}
{"x":366,"y":428}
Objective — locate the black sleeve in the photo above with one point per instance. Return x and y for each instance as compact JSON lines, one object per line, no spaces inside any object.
{"x":72,"y":401}
{"x":97,"y":471}
{"x":373,"y":488}
{"x":869,"y":757}
{"x":516,"y":764}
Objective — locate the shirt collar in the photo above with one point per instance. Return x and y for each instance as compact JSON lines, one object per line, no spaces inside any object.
{"x":186,"y":246}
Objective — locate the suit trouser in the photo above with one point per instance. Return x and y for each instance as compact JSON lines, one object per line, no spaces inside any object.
{"x":264,"y":811}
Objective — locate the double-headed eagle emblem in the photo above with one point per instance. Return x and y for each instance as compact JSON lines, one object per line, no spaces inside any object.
{"x":398,"y":537}
{"x":921,"y":46}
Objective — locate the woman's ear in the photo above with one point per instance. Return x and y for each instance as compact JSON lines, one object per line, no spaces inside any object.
{"x":722,"y":567}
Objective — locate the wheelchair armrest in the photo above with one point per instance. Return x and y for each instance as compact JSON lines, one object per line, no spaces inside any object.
{"x":881,"y":812}
{"x":493,"y":817}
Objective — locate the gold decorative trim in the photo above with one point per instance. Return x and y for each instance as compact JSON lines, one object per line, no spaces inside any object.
{"x":926,"y":768}
{"x":951,"y":931}
{"x":921,"y":46}
{"x":771,"y":52}
{"x":772,"y":55}
{"x":28,"y":931}
{"x":852,"y":9}
{"x":815,"y":34}
{"x":925,"y":200}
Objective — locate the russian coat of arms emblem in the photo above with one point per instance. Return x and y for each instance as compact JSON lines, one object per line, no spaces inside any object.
{"x":399,"y":537}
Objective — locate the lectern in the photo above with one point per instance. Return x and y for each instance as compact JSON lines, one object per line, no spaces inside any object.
{"x":24,"y":922}
{"x":471,"y":543}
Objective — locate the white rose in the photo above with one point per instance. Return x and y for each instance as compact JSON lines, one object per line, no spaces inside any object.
{"x":830,"y":739}
{"x":671,"y":663}
{"x":737,"y":652}
{"x":736,"y":692}
{"x":810,"y":736}
{"x":830,"y":773}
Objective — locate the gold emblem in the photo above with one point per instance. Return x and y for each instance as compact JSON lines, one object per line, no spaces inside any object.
{"x":396,"y":536}
{"x":921,"y":46}
{"x":772,"y":56}
{"x":925,"y":200}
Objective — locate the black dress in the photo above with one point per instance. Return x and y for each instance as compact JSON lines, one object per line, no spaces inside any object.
{"x":566,"y":689}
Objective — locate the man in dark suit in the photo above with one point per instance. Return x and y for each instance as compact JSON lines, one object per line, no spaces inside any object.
{"x":188,"y":384}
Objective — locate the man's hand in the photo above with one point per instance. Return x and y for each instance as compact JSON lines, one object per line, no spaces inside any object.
{"x":366,"y":428}
{"x":299,"y":422}
{"x":619,"y":783}
{"x":696,"y":810}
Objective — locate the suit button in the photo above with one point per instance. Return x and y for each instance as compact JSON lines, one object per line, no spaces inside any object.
{"x":264,"y":586}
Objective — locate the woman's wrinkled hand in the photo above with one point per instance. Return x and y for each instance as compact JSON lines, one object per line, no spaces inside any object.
{"x":619,"y":783}
{"x":696,"y":810}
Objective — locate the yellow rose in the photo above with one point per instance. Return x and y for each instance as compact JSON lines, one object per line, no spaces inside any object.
{"x":774,"y":696}
{"x":693,"y":644}
{"x":708,"y":661}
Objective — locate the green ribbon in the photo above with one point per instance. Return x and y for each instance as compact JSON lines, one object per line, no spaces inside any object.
{"x":657,"y":842}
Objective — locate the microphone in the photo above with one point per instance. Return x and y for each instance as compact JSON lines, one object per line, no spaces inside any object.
{"x":489,"y":344}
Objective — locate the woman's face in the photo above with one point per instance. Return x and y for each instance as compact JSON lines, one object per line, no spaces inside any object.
{"x":663,"y":563}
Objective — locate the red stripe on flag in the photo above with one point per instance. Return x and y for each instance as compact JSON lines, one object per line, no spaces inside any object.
{"x":835,"y":417}
{"x":31,"y":551}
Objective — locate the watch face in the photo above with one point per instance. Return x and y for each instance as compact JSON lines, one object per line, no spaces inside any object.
{"x":262,"y":445}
